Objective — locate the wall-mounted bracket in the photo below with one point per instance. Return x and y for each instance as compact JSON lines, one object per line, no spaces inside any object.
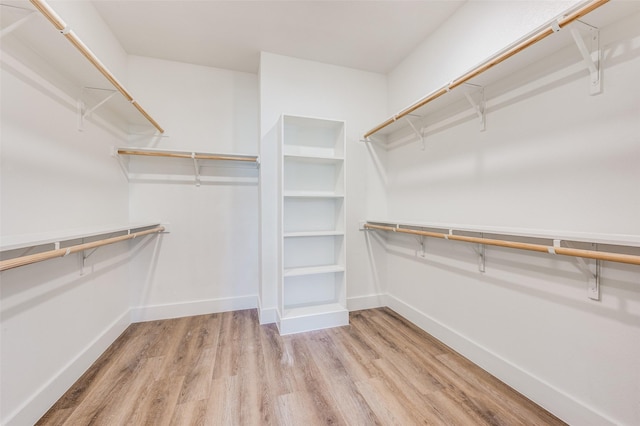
{"x":422,"y":243}
{"x":418,"y":133}
{"x":592,"y":55}
{"x":123,"y":167}
{"x":481,"y":255}
{"x":370,"y":139}
{"x":361,"y":226}
{"x":475,"y":96}
{"x":10,"y":28}
{"x":591,"y":269}
{"x":84,"y":112}
{"x":196,"y":168}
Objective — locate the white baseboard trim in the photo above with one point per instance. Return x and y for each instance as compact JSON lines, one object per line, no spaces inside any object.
{"x":552,"y":399}
{"x":43,"y":398}
{"x":196,"y":307}
{"x":266,"y":315}
{"x":370,"y":301}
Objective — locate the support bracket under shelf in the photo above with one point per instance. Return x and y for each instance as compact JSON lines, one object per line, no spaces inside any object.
{"x":592,"y":55}
{"x":591,"y":268}
{"x":84,"y":112}
{"x":196,"y":168}
{"x":475,"y":96}
{"x":415,"y":130}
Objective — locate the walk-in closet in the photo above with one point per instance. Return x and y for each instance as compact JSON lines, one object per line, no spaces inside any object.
{"x":319,"y":212}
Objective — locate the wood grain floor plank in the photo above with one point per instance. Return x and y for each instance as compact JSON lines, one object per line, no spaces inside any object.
{"x":192,"y":413}
{"x":226,"y":369}
{"x":345,"y":395}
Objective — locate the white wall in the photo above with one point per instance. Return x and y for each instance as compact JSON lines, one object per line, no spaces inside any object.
{"x":552,"y":157}
{"x":476,"y":31}
{"x":56,"y":319}
{"x":209,"y":262}
{"x":306,"y":88}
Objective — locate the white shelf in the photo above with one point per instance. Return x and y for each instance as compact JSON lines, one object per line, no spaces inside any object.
{"x":39,"y":51}
{"x":628,"y":240}
{"x":313,"y":234}
{"x":311,"y":194}
{"x":320,"y":159}
{"x":313,"y":270}
{"x":14,"y":242}
{"x":311,"y":310}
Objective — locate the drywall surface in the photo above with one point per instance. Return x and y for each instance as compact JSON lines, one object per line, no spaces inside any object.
{"x":476,"y":31}
{"x":305,"y":88}
{"x":552,"y":158}
{"x":85,"y":21}
{"x":209,"y":261}
{"x":56,"y":316}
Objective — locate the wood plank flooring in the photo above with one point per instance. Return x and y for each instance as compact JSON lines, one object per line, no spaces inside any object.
{"x":226,"y":369}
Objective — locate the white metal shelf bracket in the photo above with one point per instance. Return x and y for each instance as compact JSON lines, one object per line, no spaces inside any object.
{"x":418,"y":133}
{"x":123,"y":167}
{"x":196,"y":168}
{"x":592,"y":56}
{"x":9,"y":29}
{"x":478,"y":104}
{"x":84,"y":112}
{"x":591,"y":268}
{"x":481,"y":255}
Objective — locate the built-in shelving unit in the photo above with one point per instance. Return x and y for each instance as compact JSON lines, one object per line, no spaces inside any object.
{"x":312,"y":292}
{"x":574,"y":36}
{"x":37,"y":50}
{"x":172,"y":165}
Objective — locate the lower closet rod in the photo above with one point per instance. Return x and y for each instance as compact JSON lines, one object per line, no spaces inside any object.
{"x":51,"y":254}
{"x":589,"y":254}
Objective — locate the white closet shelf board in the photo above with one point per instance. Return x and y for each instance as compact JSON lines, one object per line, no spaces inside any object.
{"x":315,"y":159}
{"x":312,"y":194}
{"x":313,"y":270}
{"x":511,"y":74}
{"x":40,"y":51}
{"x":581,"y":237}
{"x":14,"y":242}
{"x":303,"y":311}
{"x":313,"y":234}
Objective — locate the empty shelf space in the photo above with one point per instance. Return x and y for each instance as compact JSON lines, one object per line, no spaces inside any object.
{"x":312,"y":194}
{"x":313,"y":234}
{"x":313,"y":270}
{"x":309,"y":310}
{"x":320,"y":159}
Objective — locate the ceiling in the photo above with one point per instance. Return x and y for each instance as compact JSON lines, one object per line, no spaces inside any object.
{"x":363,"y":34}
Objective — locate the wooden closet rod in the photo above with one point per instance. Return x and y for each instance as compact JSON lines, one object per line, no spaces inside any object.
{"x":188,"y":155}
{"x":51,"y":254}
{"x":61,"y":26}
{"x":590,"y":254}
{"x":490,"y":63}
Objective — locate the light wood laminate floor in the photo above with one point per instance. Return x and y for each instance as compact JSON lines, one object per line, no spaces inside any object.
{"x":226,"y":369}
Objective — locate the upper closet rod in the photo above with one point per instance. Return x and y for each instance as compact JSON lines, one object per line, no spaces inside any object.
{"x":589,"y":254}
{"x":51,"y":254}
{"x":188,"y":155}
{"x":500,"y":57}
{"x":61,"y":26}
